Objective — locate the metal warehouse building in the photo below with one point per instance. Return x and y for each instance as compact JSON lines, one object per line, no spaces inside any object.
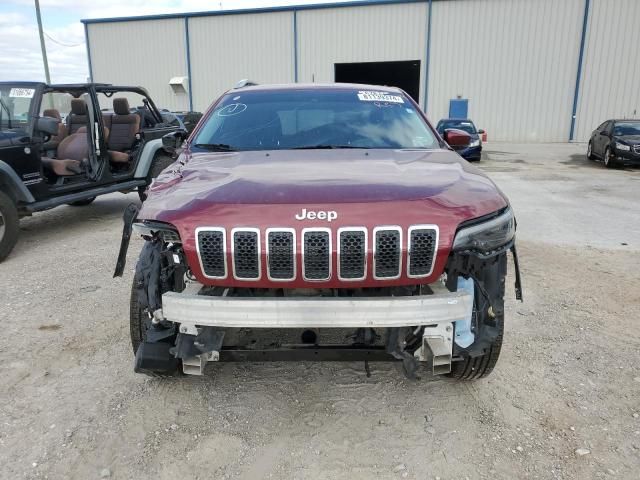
{"x":529,"y":70}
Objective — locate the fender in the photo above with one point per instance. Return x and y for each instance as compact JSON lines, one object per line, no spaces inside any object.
{"x":11,"y":183}
{"x":146,"y":157}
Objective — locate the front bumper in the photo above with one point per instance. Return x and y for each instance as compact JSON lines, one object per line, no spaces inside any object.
{"x":628,"y":157}
{"x":471,"y":153}
{"x":191,"y":310}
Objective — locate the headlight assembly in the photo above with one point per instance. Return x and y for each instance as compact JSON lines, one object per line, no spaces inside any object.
{"x":622,"y":147}
{"x":165,"y":231}
{"x":475,"y":143}
{"x":487,"y":236}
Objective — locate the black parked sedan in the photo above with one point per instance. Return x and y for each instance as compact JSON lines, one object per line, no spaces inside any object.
{"x":616,"y":142}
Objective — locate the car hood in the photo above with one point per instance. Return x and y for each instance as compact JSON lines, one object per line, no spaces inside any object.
{"x":629,"y":139}
{"x":353,"y":188}
{"x":319,"y":177}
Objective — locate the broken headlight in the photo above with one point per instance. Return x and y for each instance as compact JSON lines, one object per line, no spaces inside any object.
{"x":165,"y":231}
{"x":487,"y":236}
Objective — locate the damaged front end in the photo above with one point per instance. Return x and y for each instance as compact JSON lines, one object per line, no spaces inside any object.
{"x":177,"y":322}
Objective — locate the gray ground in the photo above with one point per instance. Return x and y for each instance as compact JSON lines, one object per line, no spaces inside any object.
{"x":568,"y":379}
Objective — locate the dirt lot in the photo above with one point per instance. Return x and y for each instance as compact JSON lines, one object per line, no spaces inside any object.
{"x":564,"y":401}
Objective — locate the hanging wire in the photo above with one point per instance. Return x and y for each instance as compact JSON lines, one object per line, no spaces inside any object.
{"x":60,"y":43}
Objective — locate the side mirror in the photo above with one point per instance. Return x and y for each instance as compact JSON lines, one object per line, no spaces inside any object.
{"x":481,"y":131}
{"x":172,"y":141}
{"x":47,"y":125}
{"x":457,"y":139}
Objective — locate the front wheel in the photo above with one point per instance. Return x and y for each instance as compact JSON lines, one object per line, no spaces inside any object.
{"x":609,"y":160}
{"x":590,"y":154}
{"x":480,"y":366}
{"x":9,"y":225}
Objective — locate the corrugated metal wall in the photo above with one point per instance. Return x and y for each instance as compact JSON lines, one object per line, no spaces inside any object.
{"x":228,"y":48}
{"x":515,"y":60}
{"x":145,"y":53}
{"x":359,"y":34}
{"x":610,"y":86}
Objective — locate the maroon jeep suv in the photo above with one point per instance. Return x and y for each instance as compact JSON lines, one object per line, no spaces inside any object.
{"x":320,"y":222}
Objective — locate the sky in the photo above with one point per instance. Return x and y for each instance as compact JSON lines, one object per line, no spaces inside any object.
{"x":20,"y":55}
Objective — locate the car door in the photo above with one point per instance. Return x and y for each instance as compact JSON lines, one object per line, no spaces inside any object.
{"x":602,"y":138}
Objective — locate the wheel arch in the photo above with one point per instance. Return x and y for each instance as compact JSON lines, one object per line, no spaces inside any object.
{"x":146,"y":157}
{"x":11,"y":184}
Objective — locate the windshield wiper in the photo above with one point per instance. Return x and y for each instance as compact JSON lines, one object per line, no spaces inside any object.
{"x":324,"y":147}
{"x":216,"y":147}
{"x":8,"y":113}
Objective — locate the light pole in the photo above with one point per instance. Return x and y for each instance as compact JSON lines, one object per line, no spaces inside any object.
{"x":42,"y":45}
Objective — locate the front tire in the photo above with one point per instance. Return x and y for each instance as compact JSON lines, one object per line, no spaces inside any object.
{"x":590,"y":154}
{"x":608,"y":159}
{"x":481,"y":366}
{"x":9,"y":225}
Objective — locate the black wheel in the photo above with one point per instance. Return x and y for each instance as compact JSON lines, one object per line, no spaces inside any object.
{"x":159,"y":163}
{"x":481,"y":366}
{"x":608,"y":159}
{"x":82,"y":203}
{"x":590,"y":154}
{"x":9,"y":225}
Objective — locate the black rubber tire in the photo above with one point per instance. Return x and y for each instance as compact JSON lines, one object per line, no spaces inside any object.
{"x":607,"y":159}
{"x":137,"y":318}
{"x":590,"y":154}
{"x":11,"y":222}
{"x":159,"y":163}
{"x":82,"y":203}
{"x":479,"y":367}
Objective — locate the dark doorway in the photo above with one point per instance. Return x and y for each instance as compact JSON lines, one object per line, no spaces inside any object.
{"x":405,"y":75}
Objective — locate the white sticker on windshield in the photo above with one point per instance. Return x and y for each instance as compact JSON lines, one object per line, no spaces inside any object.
{"x":369,"y":96}
{"x":22,"y":92}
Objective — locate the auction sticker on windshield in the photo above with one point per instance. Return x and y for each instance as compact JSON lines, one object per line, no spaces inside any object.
{"x":21,"y":92}
{"x":369,"y":96}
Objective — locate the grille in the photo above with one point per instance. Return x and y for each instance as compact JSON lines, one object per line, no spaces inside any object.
{"x":636,"y":148}
{"x":281,"y":255}
{"x":387,"y":254}
{"x":246,"y":254}
{"x":353,"y":251}
{"x":317,"y":255}
{"x":422,"y":247}
{"x":211,"y":250}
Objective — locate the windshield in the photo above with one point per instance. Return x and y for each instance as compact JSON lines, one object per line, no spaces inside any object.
{"x":314,"y":118}
{"x":15,"y":103}
{"x":465,"y":125}
{"x":628,"y":128}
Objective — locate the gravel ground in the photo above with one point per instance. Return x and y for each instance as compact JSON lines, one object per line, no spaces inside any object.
{"x":563,"y":401}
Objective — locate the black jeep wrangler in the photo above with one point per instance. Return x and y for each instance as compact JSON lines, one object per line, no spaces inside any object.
{"x":68,"y":144}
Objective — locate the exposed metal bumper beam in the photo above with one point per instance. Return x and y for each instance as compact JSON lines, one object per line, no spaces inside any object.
{"x":326,"y":312}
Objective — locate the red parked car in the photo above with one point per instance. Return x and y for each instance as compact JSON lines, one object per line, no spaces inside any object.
{"x":320,"y":222}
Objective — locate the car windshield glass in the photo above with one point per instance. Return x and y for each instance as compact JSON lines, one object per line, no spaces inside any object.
{"x":314,"y":118}
{"x":465,"y":125}
{"x":628,"y":128}
{"x":16,"y":103}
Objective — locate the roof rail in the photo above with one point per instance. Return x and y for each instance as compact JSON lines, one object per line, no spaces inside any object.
{"x":245,"y":82}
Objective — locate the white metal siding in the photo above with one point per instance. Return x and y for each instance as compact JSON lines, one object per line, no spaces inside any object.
{"x":359,"y":34}
{"x":144,"y":53}
{"x":228,"y":48}
{"x":610,"y":86}
{"x":515,"y":60}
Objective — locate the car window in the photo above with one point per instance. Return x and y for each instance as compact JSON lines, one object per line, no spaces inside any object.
{"x":465,"y":125}
{"x":15,"y":105}
{"x":626,"y":128}
{"x":308,"y":118}
{"x":60,"y":101}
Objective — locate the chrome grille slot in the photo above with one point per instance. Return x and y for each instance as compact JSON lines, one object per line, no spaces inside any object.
{"x":246,"y":253}
{"x":211,"y":250}
{"x":316,"y":254}
{"x":388,"y":252}
{"x":281,"y":253}
{"x":352,"y":253}
{"x":423,"y":240}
